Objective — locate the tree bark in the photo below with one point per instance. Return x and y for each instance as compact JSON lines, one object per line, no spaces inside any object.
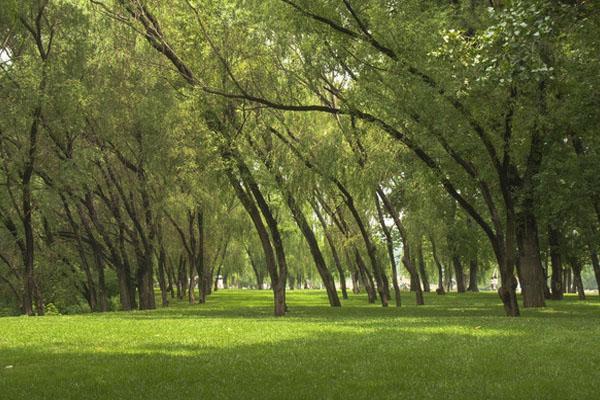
{"x":577,"y":281}
{"x":366,"y":278}
{"x":277,"y":281}
{"x":102,"y":295}
{"x":355,"y":282}
{"x":440,"y":288}
{"x":334,"y":253}
{"x":531,"y":275}
{"x":304,"y":227}
{"x":380,"y":276}
{"x":568,"y":280}
{"x":473,"y":270}
{"x":390,"y":247}
{"x":29,"y":283}
{"x":282,"y":270}
{"x":315,"y":250}
{"x":257,"y":273}
{"x":505,"y":254}
{"x":216,"y":280}
{"x":90,"y":284}
{"x":203,"y":276}
{"x":162,"y":269}
{"x":422,"y":266}
{"x":406,"y":257}
{"x":459,"y":274}
{"x":102,"y":291}
{"x":596,"y":266}
{"x":556,"y":283}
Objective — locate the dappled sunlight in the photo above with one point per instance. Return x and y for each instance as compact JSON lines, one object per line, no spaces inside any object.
{"x":476,"y":331}
{"x":232,"y":347}
{"x":382,"y":358}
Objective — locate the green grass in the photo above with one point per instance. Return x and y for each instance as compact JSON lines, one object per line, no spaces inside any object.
{"x":456,"y":347}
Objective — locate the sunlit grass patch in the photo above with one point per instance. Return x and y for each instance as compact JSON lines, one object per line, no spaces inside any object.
{"x":232,"y":347}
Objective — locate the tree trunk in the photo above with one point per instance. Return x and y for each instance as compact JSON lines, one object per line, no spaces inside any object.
{"x":102,"y":292}
{"x":101,"y":303}
{"x":568,"y":281}
{"x":505,"y":251}
{"x":406,"y":258}
{"x":380,"y":276}
{"x":277,"y":281}
{"x":440,"y":288}
{"x":390,"y":247}
{"x":305,"y":229}
{"x":366,"y":278}
{"x":162,"y":263}
{"x":448,"y":277}
{"x":28,"y":251}
{"x":191,"y":281}
{"x":225,"y":280}
{"x":596,"y":265}
{"x":422,"y":266}
{"x":91,"y":296}
{"x":355,"y":282}
{"x":531,"y":275}
{"x":577,"y":281}
{"x":29,"y":284}
{"x":334,"y":253}
{"x":216,"y":280}
{"x":315,"y":250}
{"x":473,"y":268}
{"x":280,"y":274}
{"x":203,"y":277}
{"x":128,"y":283}
{"x":459,"y":274}
{"x":145,"y":283}
{"x":170,"y":270}
{"x":257,"y":273}
{"x":181,"y":277}
{"x":411,"y":268}
{"x":556,"y":283}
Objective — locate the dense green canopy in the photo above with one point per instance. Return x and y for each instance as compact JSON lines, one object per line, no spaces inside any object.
{"x":357,"y":145}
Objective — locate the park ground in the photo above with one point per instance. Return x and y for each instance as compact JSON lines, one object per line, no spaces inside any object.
{"x":454,"y":347}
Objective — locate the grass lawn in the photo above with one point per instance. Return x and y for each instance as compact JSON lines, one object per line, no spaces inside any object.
{"x":456,"y":346}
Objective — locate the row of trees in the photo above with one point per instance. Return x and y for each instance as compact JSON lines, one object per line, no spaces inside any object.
{"x":146,"y":144}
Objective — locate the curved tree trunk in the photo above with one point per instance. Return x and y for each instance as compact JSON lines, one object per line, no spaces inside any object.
{"x":366,"y":278}
{"x":257,"y":273}
{"x":334,"y":253}
{"x":304,"y":227}
{"x":390,"y":247}
{"x":422,"y":266}
{"x":380,"y":276}
{"x":277,"y":281}
{"x":406,"y":258}
{"x":440,"y":288}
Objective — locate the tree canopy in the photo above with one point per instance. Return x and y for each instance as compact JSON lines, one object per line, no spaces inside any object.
{"x":356,"y":145}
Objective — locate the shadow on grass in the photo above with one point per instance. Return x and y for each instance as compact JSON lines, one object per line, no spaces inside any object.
{"x":324,"y":365}
{"x":456,"y":346}
{"x":312,"y":305}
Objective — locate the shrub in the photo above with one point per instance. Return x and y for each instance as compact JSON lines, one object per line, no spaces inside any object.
{"x":51,"y":309}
